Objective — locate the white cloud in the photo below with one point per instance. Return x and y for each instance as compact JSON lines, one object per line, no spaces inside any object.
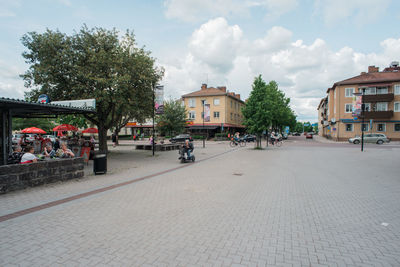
{"x":199,"y":10}
{"x":11,"y":85}
{"x":303,"y":71}
{"x":360,"y":12}
{"x":7,"y":8}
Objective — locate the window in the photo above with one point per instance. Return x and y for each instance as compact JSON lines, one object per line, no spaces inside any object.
{"x":231,"y":115}
{"x":192,"y":115}
{"x":348,"y":108}
{"x":381,"y":90}
{"x":365,"y":127}
{"x":397,"y":127}
{"x":370,"y":91}
{"x":381,"y":127}
{"x":349,"y":92}
{"x":216,"y":101}
{"x":349,"y":127}
{"x":192,"y":102}
{"x":396,"y":106}
{"x":216,"y":114}
{"x":367,"y":106}
{"x":231,"y":104}
{"x":202,"y":115}
{"x":397,"y":89}
{"x":381,"y":106}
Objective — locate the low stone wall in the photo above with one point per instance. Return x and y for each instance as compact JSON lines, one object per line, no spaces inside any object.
{"x":19,"y":176}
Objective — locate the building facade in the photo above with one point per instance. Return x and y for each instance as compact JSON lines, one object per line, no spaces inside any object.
{"x":225,"y":110}
{"x":381,"y":97}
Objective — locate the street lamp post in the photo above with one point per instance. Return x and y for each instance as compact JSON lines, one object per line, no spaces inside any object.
{"x":363,"y":117}
{"x":153,"y":142}
{"x":204,"y":136}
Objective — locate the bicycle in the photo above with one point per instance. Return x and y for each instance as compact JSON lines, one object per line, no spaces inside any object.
{"x":239,"y":142}
{"x":276,"y":142}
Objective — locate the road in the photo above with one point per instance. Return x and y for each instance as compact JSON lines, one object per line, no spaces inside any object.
{"x":305,"y":203}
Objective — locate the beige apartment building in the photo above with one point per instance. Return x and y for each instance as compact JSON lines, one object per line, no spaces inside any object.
{"x":225,"y":110}
{"x":382,"y":105}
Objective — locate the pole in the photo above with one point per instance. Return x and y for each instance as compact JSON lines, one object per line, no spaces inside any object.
{"x":204,"y":137}
{"x":362,"y":123}
{"x":153,"y":141}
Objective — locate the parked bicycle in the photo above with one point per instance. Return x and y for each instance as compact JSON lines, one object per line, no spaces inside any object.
{"x":239,"y":142}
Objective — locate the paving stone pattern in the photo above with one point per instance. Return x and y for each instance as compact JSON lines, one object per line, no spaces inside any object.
{"x":288,"y":206}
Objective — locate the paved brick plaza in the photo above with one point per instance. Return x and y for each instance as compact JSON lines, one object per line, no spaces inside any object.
{"x":303,"y":204}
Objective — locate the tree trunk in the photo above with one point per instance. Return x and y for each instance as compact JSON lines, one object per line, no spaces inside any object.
{"x":116,"y":132}
{"x":102,"y":138}
{"x":258,"y":141}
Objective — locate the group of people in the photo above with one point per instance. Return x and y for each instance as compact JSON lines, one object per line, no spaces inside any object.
{"x":29,"y":157}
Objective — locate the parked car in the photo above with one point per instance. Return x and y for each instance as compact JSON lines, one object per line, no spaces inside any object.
{"x":284,"y":136}
{"x":51,"y":137}
{"x":296,"y":134}
{"x":30,"y":137}
{"x":309,"y":135}
{"x":180,"y":138}
{"x":249,"y":138}
{"x":16,"y":138}
{"x":374,"y":138}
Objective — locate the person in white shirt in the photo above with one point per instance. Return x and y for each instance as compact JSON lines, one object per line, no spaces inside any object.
{"x":28,"y":157}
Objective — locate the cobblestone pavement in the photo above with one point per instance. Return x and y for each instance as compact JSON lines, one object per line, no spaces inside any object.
{"x":289,"y":206}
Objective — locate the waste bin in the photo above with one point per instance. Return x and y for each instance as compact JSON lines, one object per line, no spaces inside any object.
{"x":100,"y":164}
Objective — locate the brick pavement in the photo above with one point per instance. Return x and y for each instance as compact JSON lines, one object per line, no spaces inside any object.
{"x":277,"y":207}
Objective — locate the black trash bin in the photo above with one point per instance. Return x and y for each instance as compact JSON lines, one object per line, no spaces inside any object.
{"x":100,"y":164}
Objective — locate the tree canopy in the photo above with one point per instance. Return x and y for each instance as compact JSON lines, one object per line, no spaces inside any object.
{"x":173,"y":120}
{"x":93,"y":63}
{"x":267,"y":107}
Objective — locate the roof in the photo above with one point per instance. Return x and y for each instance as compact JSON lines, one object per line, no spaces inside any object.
{"x":25,"y":109}
{"x":211,"y":91}
{"x":371,"y":78}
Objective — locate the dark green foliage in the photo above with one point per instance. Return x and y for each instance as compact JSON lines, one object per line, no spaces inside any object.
{"x":173,"y":121}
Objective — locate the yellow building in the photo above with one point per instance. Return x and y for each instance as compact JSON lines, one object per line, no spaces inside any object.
{"x":225,"y":110}
{"x":382,"y":105}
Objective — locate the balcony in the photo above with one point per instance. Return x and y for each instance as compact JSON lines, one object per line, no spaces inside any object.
{"x":378,"y":98}
{"x":378,"y":114}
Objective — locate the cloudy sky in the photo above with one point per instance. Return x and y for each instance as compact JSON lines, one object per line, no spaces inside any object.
{"x":304,"y":45}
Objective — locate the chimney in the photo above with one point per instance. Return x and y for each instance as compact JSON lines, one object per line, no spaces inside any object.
{"x":363,"y":72}
{"x":204,"y":86}
{"x":372,"y":69}
{"x":238,"y":96}
{"x":222,"y":88}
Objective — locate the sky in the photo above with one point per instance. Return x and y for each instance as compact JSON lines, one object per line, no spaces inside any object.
{"x":303,"y":45}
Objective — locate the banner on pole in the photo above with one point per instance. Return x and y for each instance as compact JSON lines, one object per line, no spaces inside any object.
{"x":207,"y":112}
{"x":357,"y":102}
{"x":159,"y":99}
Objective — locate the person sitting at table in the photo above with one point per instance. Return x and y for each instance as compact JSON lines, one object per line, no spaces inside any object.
{"x":49,"y":151}
{"x":28,"y":157}
{"x":67,"y":153}
{"x":16,"y":156}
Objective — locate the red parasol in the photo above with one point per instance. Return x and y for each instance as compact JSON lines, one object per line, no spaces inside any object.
{"x":33,"y":130}
{"x":90,"y":130}
{"x":65,"y":127}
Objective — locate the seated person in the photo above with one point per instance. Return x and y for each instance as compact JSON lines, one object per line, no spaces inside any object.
{"x":49,"y":151}
{"x":188,"y":147}
{"x":66,"y":153}
{"x":28,"y":157}
{"x":16,"y":156}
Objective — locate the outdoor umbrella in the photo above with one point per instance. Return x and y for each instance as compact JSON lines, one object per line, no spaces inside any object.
{"x":90,"y":130}
{"x":33,"y":130}
{"x":65,"y":127}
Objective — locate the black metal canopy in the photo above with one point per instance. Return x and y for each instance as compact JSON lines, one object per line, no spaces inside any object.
{"x":26,"y":109}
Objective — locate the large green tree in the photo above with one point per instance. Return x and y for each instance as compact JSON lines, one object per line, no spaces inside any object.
{"x":93,"y":63}
{"x":173,"y":120}
{"x":42,"y":123}
{"x":257,"y":112}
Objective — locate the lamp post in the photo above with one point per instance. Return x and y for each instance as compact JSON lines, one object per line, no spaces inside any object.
{"x":153,"y":119}
{"x":204,"y":136}
{"x":363,"y":117}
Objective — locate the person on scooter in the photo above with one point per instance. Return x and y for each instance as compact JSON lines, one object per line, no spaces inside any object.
{"x":188,"y":147}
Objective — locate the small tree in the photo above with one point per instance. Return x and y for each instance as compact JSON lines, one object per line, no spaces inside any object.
{"x":173,"y":120}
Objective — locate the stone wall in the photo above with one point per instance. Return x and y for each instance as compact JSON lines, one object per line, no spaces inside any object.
{"x":19,"y":176}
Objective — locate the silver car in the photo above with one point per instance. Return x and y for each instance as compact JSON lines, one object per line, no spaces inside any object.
{"x":374,"y":138}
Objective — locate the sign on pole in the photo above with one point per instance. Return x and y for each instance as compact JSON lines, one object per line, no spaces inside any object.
{"x":207,"y":112}
{"x":357,"y":102}
{"x":159,"y":99}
